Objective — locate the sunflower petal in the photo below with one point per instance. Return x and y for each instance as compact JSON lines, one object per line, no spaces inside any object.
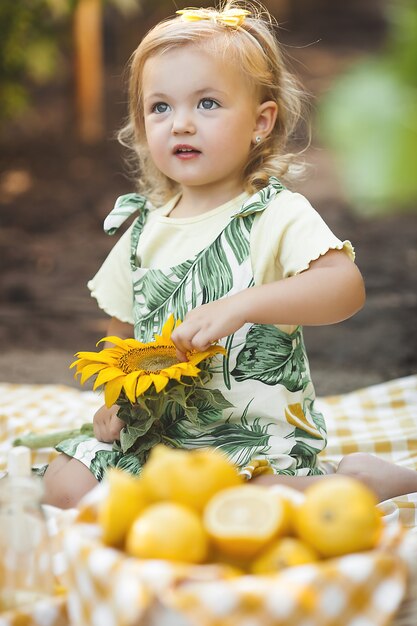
{"x":112,"y":391}
{"x":79,"y":364}
{"x":182,"y":369}
{"x":165,"y":337}
{"x":134,"y":343}
{"x":121,"y":343}
{"x":105,"y":356}
{"x":129,"y":385}
{"x":168,"y":327}
{"x":127,"y":344}
{"x":112,"y":339}
{"x":173,"y":372}
{"x":89,"y":356}
{"x":90,"y":370}
{"x":107,"y":374}
{"x":143,"y":384}
{"x":197,"y":357}
{"x":188,"y":369}
{"x":159,"y":381}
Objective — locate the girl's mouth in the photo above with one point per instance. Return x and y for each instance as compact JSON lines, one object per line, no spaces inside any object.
{"x":184,"y":151}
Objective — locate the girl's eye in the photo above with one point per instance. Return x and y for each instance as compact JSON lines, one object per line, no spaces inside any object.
{"x":208,"y":104}
{"x":160,"y":107}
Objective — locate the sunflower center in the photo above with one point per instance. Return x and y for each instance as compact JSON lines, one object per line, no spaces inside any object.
{"x":151,"y":359}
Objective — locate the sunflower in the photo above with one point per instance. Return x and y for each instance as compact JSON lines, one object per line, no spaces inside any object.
{"x":132,"y":366}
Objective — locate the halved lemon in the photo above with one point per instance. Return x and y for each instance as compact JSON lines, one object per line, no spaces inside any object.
{"x":242,"y":520}
{"x":295,"y":416}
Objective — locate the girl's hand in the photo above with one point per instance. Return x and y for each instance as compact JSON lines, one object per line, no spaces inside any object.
{"x":106,"y":424}
{"x":206,"y":325}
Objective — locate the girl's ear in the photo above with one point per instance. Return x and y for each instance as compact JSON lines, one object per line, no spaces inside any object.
{"x":266,"y":116}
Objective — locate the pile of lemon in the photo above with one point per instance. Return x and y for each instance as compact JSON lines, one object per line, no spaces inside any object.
{"x":193,"y":507}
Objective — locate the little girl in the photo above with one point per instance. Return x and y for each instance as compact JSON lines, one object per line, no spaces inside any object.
{"x":220,"y":243}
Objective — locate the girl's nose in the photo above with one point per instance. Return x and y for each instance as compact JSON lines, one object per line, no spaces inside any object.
{"x":183,"y":123}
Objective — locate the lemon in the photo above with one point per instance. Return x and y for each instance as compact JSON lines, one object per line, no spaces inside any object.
{"x":339,"y":516}
{"x":124,"y":501}
{"x":189,"y":477}
{"x":167,"y":530}
{"x":285,"y":552}
{"x":242,"y":520}
{"x":292,"y":496}
{"x":291,"y":499}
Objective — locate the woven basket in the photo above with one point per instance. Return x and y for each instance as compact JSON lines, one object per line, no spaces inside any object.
{"x":407,"y":614}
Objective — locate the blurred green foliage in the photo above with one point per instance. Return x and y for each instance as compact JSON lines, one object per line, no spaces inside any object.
{"x":34,"y":43}
{"x":28,"y":48}
{"x":369,"y":119}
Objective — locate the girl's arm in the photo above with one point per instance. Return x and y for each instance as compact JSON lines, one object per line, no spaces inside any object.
{"x":116,"y":328}
{"x":329,"y":291}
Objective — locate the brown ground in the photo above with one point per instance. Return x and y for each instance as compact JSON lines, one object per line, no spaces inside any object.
{"x":54,"y":195}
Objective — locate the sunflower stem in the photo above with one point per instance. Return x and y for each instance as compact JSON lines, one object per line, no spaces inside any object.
{"x":35,"y":441}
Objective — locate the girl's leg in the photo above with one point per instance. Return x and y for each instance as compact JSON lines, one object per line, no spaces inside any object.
{"x":386,"y":479}
{"x":65,"y":482}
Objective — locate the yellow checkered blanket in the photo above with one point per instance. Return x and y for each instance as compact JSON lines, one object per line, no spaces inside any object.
{"x":381,"y":419}
{"x":367,"y":588}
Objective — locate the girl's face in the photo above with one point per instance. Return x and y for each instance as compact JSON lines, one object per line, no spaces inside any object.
{"x":201,"y":116}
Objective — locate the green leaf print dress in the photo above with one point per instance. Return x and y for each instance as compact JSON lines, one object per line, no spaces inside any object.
{"x":263,"y":397}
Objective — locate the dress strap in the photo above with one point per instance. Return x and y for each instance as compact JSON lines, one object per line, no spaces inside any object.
{"x":260,"y":200}
{"x":125,"y":206}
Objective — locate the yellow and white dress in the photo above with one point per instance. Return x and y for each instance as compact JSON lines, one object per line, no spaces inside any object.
{"x":162,"y":265}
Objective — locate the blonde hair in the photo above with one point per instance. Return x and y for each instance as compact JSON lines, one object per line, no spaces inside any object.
{"x":253,"y":48}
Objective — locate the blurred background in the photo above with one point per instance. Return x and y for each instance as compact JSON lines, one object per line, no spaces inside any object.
{"x":62,"y":99}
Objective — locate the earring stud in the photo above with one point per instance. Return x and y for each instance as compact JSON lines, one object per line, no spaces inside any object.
{"x":258,"y":139}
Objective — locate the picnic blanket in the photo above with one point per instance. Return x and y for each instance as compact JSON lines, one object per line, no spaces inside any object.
{"x":369,"y":588}
{"x":381,"y":419}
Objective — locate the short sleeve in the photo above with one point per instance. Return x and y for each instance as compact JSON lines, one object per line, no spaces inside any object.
{"x":112,"y":285}
{"x":288,"y":236}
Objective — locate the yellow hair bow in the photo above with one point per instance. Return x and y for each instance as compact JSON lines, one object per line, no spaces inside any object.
{"x":231,"y":17}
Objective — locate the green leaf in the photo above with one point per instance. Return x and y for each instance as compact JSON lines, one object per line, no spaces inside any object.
{"x":261,"y":198}
{"x":211,"y":397}
{"x":316,"y":416}
{"x":129,"y":435}
{"x":179,"y":396}
{"x":131,"y":463}
{"x":210,"y":404}
{"x":305,"y":453}
{"x":152,"y":417}
{"x":134,"y":414}
{"x":239,"y":441}
{"x":103,"y":459}
{"x":237,"y":236}
{"x":69,"y":446}
{"x":197,"y":281}
{"x":272,"y":356}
